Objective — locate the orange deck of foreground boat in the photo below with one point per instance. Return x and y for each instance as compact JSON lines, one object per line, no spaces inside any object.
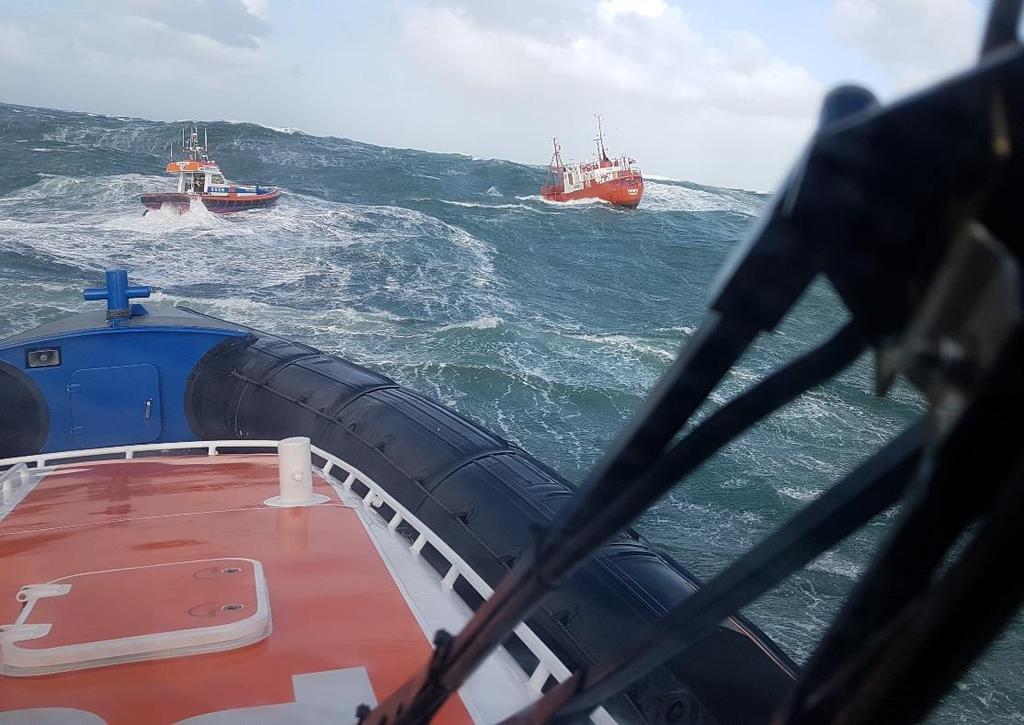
{"x":334,"y":603}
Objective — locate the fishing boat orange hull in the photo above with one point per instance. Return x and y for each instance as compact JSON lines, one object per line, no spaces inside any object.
{"x":626,"y":191}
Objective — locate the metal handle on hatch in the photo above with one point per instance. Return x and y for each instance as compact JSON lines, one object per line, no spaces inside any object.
{"x":149,"y":408}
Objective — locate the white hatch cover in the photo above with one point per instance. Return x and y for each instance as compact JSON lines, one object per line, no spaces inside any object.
{"x":110,"y":617}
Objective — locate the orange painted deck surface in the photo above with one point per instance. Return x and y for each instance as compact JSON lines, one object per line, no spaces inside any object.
{"x":334,"y":603}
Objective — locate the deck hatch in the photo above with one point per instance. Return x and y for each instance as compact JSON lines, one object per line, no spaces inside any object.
{"x":140,"y":613}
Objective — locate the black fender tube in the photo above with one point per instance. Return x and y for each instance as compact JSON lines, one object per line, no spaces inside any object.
{"x":24,"y":416}
{"x":484,"y":497}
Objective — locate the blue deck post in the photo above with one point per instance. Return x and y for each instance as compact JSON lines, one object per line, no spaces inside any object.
{"x":117,"y":293}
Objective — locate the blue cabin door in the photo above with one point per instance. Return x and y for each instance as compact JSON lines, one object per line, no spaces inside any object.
{"x":114,"y":406}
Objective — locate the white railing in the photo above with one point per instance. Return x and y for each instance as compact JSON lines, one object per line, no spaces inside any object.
{"x":548,"y":664}
{"x":15,"y":483}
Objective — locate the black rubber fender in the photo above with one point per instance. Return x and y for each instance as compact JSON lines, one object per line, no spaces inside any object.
{"x":24,"y":415}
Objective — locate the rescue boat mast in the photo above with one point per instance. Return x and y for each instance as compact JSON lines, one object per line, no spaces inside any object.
{"x":192,"y":148}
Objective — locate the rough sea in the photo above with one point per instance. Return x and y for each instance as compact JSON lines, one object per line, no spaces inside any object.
{"x":546,"y":323}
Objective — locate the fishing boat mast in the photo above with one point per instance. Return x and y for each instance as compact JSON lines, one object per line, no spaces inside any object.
{"x":602,"y":156}
{"x":556,"y":158}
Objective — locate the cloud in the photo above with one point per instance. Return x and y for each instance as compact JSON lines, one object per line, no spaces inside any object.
{"x":608,"y":10}
{"x":125,"y":38}
{"x":18,"y":46}
{"x":914,"y":41}
{"x":231,"y":24}
{"x":153,"y":58}
{"x":257,"y":8}
{"x":642,"y":49}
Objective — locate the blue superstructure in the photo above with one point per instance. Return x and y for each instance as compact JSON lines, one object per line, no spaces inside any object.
{"x":109,"y":377}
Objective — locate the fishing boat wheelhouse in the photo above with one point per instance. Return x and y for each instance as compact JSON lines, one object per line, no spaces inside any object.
{"x":200,"y":178}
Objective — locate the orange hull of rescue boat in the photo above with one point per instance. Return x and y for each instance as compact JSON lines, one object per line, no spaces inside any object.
{"x":217,"y":203}
{"x":625,"y":191}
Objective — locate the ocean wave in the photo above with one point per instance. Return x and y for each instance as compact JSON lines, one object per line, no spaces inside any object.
{"x":484,"y":322}
{"x":629,"y":343}
{"x":661,"y":196}
{"x":479,"y":205}
{"x":798,"y":494}
{"x":832,"y":563}
{"x":287,"y":130}
{"x":298,"y":239}
{"x":565,"y":204}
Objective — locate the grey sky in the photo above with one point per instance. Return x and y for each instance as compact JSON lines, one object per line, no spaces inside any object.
{"x":721,"y":92}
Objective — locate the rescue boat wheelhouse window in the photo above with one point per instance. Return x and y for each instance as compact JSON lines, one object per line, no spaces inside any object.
{"x":216,"y":179}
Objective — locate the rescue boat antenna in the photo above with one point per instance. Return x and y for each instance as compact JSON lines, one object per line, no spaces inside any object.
{"x":601,"y":155}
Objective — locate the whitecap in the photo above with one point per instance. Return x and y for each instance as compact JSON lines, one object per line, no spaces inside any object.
{"x":660,"y":196}
{"x":484,"y":322}
{"x":799,"y":494}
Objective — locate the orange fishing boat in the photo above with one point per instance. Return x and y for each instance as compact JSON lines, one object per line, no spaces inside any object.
{"x":615,"y":180}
